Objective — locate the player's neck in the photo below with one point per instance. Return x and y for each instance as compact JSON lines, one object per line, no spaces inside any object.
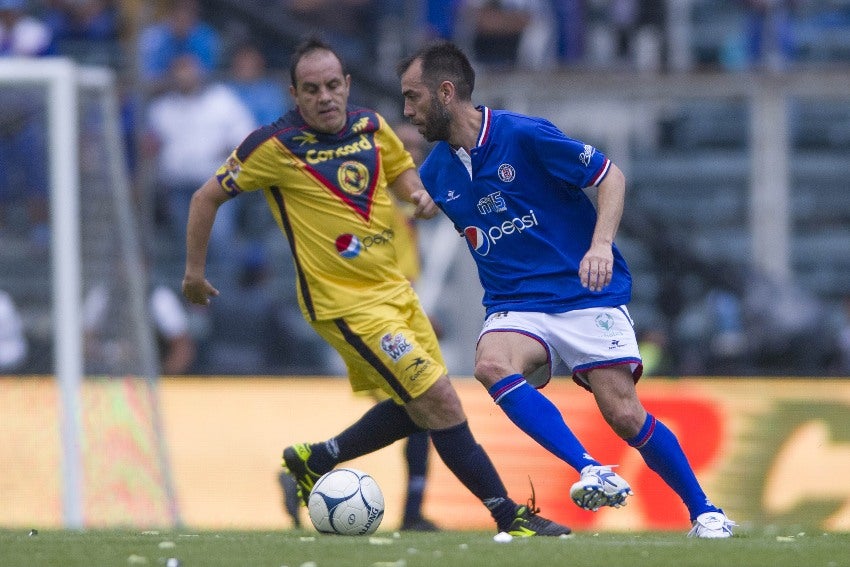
{"x":467,"y":128}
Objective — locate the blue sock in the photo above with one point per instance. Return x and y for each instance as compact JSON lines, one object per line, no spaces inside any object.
{"x":532,"y":412}
{"x":662,"y":453}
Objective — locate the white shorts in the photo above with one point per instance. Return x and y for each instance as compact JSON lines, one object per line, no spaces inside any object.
{"x":583,"y":339}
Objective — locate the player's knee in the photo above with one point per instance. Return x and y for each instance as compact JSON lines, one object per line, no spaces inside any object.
{"x":439,"y":407}
{"x":488,"y":371}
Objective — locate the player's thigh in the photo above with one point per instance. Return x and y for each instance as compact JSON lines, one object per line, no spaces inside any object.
{"x":509,"y":344}
{"x":391,"y":347}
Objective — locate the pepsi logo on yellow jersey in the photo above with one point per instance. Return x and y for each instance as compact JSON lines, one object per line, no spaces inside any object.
{"x":349,"y":245}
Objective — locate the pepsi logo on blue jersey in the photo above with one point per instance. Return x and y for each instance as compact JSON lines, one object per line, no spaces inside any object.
{"x":482,"y":239}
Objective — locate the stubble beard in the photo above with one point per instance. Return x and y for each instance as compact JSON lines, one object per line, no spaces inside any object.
{"x":437,"y":126}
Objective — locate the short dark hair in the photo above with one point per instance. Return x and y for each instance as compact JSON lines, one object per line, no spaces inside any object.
{"x":307,"y":46}
{"x":443,"y":61}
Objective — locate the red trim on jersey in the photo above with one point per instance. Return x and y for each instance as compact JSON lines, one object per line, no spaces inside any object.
{"x":600,"y":175}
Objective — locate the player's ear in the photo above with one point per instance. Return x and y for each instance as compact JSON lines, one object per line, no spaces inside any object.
{"x":445,"y":92}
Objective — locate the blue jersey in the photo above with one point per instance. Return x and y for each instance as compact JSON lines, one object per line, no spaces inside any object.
{"x":526,"y":219}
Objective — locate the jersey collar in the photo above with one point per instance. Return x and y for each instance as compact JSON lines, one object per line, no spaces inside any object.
{"x":484,"y":133}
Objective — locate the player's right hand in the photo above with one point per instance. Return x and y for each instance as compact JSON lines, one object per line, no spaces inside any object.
{"x":425,"y":206}
{"x":198,"y":290}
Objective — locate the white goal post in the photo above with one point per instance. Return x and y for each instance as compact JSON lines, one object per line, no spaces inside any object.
{"x":72,"y":95}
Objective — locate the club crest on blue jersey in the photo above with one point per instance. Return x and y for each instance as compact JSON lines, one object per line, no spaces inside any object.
{"x":395,"y":346}
{"x":507,"y":173}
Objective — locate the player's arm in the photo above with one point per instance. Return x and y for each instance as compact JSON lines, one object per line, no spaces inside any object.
{"x":597,"y":266}
{"x":408,"y":188}
{"x":202,"y":211}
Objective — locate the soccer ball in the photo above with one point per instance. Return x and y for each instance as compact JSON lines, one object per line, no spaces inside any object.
{"x":346,"y":501}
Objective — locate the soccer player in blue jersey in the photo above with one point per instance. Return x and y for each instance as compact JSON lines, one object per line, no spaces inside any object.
{"x":555,"y":284}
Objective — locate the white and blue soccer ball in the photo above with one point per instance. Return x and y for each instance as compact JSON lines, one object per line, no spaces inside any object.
{"x":346,"y":501}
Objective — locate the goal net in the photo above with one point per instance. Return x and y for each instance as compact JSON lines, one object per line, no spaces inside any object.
{"x":78,"y":276}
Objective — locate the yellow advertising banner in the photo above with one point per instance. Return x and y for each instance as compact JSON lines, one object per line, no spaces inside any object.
{"x":771,"y":452}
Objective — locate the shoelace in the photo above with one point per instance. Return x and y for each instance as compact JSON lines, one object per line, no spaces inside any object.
{"x":533,"y":510}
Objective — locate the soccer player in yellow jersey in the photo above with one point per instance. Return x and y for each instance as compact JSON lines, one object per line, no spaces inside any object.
{"x":325,"y":168}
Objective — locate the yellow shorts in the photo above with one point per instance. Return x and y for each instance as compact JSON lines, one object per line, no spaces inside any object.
{"x":391,"y":346}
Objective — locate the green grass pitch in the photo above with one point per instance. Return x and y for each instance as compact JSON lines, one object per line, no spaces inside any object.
{"x":113,"y":548}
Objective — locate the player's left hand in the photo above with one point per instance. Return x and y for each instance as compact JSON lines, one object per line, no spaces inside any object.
{"x":425,"y":206}
{"x":596,"y":268}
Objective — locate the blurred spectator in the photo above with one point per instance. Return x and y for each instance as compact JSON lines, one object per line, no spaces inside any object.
{"x":507,"y":34}
{"x":24,"y":207}
{"x":538,"y":45}
{"x":249,"y":78}
{"x":624,"y":21}
{"x":86,"y":30}
{"x":842,"y":366}
{"x":349,"y":25}
{"x":440,"y":18}
{"x":764,"y":326}
{"x":191,"y":131}
{"x":179,"y":32}
{"x":23,"y":182}
{"x":176,"y":346}
{"x":254,"y":332}
{"x":13,"y":340}
{"x":785,"y":327}
{"x":769,"y":33}
{"x":87,"y":20}
{"x":570,"y":30}
{"x":497,"y":26}
{"x":23,"y":35}
{"x":710,"y":335}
